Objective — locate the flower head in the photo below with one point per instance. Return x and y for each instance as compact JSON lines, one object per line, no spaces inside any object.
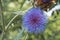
{"x":34,"y":20}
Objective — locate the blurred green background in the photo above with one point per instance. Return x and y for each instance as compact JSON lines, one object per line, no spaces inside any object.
{"x":11,"y":24}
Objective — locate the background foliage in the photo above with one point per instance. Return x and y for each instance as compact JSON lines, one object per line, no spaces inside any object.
{"x":11,"y":24}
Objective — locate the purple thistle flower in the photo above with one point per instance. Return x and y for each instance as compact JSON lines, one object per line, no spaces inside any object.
{"x":34,"y":20}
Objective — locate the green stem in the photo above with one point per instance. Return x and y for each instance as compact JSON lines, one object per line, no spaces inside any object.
{"x":2,"y":18}
{"x":26,"y":37}
{"x":6,"y":28}
{"x":2,"y":15}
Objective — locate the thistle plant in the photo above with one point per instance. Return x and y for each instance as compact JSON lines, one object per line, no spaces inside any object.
{"x":34,"y":20}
